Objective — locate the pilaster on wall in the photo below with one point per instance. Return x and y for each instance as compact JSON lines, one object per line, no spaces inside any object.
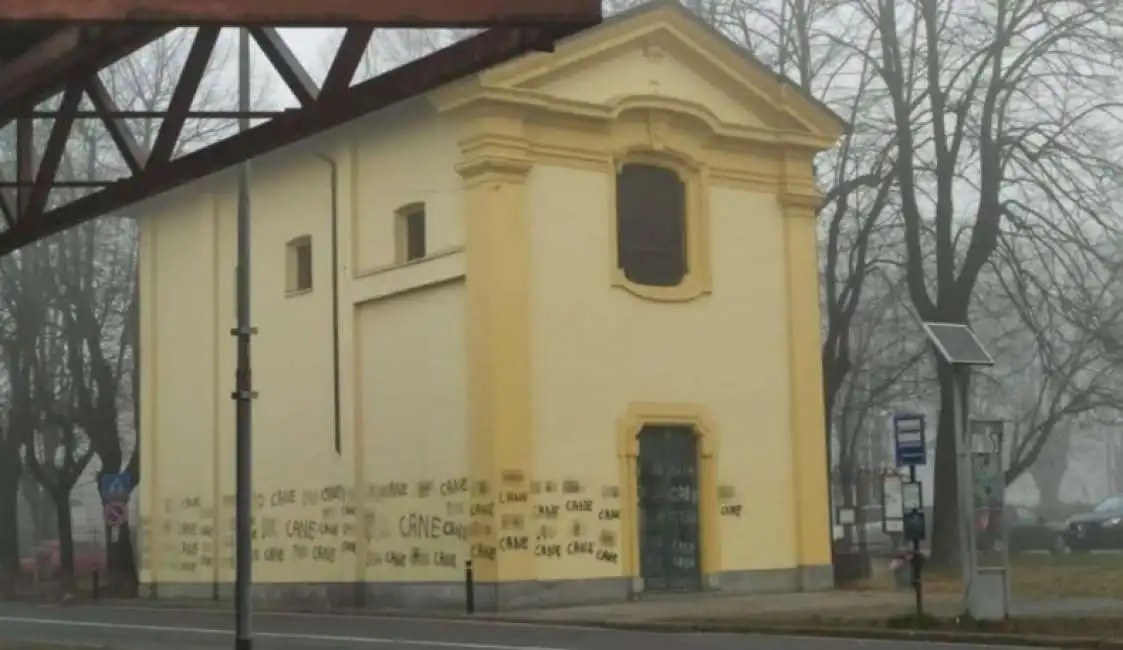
{"x":800,"y":199}
{"x":150,"y":497}
{"x":494,"y":167}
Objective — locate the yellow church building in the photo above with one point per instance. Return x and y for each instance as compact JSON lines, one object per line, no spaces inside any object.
{"x":559,"y":319}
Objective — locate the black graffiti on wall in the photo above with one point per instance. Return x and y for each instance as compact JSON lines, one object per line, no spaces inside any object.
{"x":437,"y":521}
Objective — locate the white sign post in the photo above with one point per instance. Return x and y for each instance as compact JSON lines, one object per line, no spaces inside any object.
{"x":892,"y":503}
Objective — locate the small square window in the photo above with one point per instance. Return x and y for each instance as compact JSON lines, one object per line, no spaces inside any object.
{"x":299,"y":265}
{"x":410,"y":231}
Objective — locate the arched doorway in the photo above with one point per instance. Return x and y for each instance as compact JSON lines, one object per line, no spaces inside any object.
{"x":667,"y":491}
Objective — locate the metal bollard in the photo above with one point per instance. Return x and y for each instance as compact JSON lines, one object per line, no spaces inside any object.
{"x":95,"y":586}
{"x":469,"y":588}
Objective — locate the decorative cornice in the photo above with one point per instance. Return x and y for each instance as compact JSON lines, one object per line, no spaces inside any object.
{"x":494,"y":169}
{"x":536,"y":104}
{"x":494,"y":148}
{"x":801,"y":204}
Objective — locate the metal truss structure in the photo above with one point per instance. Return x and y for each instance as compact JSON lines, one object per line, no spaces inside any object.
{"x":51,"y":48}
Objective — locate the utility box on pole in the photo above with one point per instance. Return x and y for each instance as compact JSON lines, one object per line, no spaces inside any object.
{"x":960,"y":349}
{"x":989,"y":595}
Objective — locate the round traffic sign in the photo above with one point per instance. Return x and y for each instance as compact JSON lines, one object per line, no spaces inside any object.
{"x":116,"y":513}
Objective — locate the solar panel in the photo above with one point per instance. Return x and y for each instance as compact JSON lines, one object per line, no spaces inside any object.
{"x":957,"y":344}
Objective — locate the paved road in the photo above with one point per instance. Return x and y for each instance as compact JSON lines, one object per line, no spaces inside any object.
{"x":138,"y":628}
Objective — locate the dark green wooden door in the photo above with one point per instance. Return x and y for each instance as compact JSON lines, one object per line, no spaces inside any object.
{"x":667,"y":473}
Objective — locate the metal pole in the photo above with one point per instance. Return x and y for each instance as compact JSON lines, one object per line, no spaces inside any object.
{"x":243,"y":394}
{"x":917,"y":559}
{"x":963,"y":486}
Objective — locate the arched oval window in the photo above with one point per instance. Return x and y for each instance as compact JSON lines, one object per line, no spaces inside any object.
{"x":651,"y":225}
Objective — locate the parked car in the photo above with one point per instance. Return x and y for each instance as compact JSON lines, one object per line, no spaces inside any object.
{"x":1026,"y":530}
{"x":1102,"y":528}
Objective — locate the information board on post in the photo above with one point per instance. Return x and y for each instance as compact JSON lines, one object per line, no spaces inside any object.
{"x":892,"y":503}
{"x":909,"y":439}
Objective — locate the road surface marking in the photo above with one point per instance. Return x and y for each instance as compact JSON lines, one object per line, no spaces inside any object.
{"x":373,"y":615}
{"x":862,"y":643}
{"x":271,"y":635}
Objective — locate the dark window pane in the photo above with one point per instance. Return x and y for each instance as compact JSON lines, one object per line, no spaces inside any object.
{"x":304,"y":266}
{"x":651,"y":225}
{"x":415,"y":235}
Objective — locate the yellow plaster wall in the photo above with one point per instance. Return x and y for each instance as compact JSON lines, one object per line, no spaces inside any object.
{"x":597,"y":349}
{"x":402,"y":367}
{"x":404,"y":158}
{"x":298,"y":477}
{"x":413,"y":412}
{"x":179,"y":527}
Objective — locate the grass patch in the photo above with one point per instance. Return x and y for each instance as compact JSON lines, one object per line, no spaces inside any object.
{"x":1034,"y":576}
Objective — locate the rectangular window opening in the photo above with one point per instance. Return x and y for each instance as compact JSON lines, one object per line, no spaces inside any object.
{"x":304,"y":267}
{"x":299,"y":265}
{"x":415,"y":235}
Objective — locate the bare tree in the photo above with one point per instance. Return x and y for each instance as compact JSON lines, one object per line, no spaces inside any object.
{"x":972,"y":143}
{"x":55,"y":451}
{"x":25,"y":314}
{"x":89,"y":293}
{"x":980,"y":114}
{"x":885,"y":373}
{"x":1059,"y":298}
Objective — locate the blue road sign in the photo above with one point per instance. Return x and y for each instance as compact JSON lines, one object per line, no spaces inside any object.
{"x":116,"y":487}
{"x":909,"y":439}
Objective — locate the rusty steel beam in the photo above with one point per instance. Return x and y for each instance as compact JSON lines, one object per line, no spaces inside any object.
{"x":52,"y":155}
{"x":347,"y":59}
{"x":287,"y":65}
{"x":311,"y":13}
{"x":328,"y":110}
{"x":104,"y":106}
{"x":25,"y":163}
{"x":117,"y":114}
{"x":71,"y":53}
{"x":7,"y":208}
{"x":58,"y":184}
{"x":194,"y":67}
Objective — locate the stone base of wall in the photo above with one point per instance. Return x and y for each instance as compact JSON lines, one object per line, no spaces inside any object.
{"x":489,"y":596}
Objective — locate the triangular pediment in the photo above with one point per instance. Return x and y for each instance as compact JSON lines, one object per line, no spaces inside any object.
{"x":661,"y":49}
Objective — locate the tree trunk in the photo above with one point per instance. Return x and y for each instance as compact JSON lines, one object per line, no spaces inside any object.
{"x":1049,"y":471}
{"x":945,"y":506}
{"x":1048,"y":483}
{"x":126,"y":579}
{"x":830,"y":398}
{"x":10,"y":469}
{"x":41,"y":507}
{"x":65,"y":540}
{"x":846,"y":485}
{"x":1116,"y":480}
